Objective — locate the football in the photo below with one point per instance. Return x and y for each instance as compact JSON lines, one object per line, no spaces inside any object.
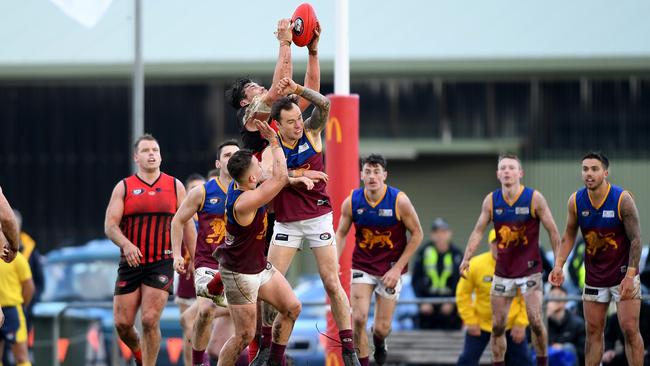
{"x":304,"y":22}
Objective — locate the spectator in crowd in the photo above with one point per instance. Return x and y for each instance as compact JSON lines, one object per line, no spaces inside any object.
{"x":30,"y":250}
{"x":566,"y":330}
{"x":614,"y":354}
{"x":435,"y":274}
{"x":473,"y":301}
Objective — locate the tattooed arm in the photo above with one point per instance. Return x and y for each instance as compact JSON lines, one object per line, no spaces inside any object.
{"x":319,"y":116}
{"x":630,"y":216}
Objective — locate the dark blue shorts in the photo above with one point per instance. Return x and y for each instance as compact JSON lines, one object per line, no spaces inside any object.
{"x":12,"y":323}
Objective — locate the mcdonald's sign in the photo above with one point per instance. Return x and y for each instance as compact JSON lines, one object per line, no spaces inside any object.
{"x":332,"y":359}
{"x":336,"y":125}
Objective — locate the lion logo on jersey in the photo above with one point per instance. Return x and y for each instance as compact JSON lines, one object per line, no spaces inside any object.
{"x":512,"y":235}
{"x":218,"y":231}
{"x":370,"y":239}
{"x":597,"y":241}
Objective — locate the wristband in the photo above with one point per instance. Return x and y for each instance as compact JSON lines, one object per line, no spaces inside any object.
{"x":300,"y":89}
{"x":283,"y":43}
{"x":313,"y":53}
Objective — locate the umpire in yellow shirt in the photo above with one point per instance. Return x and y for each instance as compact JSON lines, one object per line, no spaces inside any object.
{"x":473,"y":302}
{"x":16,"y":290}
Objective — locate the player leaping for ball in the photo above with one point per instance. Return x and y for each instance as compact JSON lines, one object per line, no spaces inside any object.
{"x":253,"y":101}
{"x":304,"y":213}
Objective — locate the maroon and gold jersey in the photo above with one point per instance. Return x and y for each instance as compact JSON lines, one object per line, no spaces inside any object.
{"x":517,"y":231}
{"x":244,"y":248}
{"x":298,"y":203}
{"x":380,"y":236}
{"x":148,"y":212}
{"x":212,"y":225}
{"x":607,"y":247}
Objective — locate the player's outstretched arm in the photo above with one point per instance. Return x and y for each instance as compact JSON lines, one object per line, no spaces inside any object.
{"x":9,"y":228}
{"x":316,"y":122}
{"x":543,"y":212}
{"x":189,"y":230}
{"x":284,"y":65}
{"x":556,"y":277}
{"x":345,"y":222}
{"x":114,"y":213}
{"x":249,"y":201}
{"x":312,"y":75}
{"x":477,"y":234}
{"x":630,"y":216}
{"x":188,"y":208}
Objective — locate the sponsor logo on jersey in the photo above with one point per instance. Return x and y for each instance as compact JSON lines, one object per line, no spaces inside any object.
{"x":608,"y":214}
{"x":498,"y":211}
{"x":360,"y":211}
{"x":585,"y":213}
{"x":385,"y":212}
{"x":137,"y":191}
{"x":302,"y":148}
{"x":522,"y":210}
{"x":214,"y":201}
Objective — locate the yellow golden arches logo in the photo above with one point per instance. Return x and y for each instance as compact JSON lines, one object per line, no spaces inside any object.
{"x":336,"y":124}
{"x":332,"y":359}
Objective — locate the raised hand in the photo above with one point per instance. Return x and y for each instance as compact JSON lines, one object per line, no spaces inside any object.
{"x":283,"y":34}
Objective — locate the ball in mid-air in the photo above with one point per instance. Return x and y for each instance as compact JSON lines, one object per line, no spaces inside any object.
{"x":304,"y":22}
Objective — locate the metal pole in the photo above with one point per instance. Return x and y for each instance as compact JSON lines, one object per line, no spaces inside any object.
{"x":342,"y":56}
{"x":137,"y":85}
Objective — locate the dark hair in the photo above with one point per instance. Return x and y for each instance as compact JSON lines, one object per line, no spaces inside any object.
{"x":374,"y":159}
{"x":235,"y":93}
{"x":213,"y":173}
{"x":192,"y":177}
{"x":282,"y":104}
{"x":224,"y":144}
{"x":509,"y":156}
{"x":239,"y":163}
{"x":145,"y":137}
{"x":598,"y":156}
